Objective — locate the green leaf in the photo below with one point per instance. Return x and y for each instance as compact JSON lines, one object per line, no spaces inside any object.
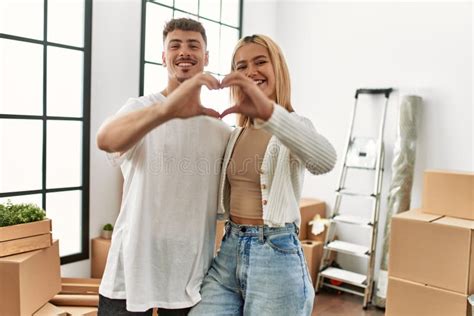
{"x":13,"y":214}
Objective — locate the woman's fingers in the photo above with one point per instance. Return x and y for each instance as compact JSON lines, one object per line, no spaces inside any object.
{"x":232,"y":109}
{"x":210,"y":112}
{"x":235,"y":80}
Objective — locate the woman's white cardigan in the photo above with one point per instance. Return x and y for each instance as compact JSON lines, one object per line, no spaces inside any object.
{"x":295,"y":145}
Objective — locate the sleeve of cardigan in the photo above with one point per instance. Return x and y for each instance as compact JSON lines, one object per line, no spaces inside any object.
{"x":301,"y":138}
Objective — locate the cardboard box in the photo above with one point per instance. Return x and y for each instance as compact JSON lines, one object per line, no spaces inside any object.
{"x":433,"y":250}
{"x":16,"y":246}
{"x":76,"y":300}
{"x":79,"y":286}
{"x":99,"y":252}
{"x":29,"y":280}
{"x":313,"y":251}
{"x":50,"y":310}
{"x":449,"y":193}
{"x":25,"y":237}
{"x":79,"y":310}
{"x":220,"y":227}
{"x":308,"y":209}
{"x":25,"y":230}
{"x":405,"y":298}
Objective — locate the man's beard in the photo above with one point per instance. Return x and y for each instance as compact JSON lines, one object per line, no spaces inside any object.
{"x":182,"y":76}
{"x":181,"y":79}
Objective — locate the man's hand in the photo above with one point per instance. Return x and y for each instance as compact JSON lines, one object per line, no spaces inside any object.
{"x":185,"y":101}
{"x":255,"y":103}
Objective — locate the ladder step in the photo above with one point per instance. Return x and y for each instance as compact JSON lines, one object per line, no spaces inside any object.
{"x":351,"y":193}
{"x":345,"y":289}
{"x":359,"y":167}
{"x":349,"y":248}
{"x":355,"y":220}
{"x":349,"y":277}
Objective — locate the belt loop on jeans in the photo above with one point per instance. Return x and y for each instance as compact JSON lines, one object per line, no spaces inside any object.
{"x":297,"y":230}
{"x":261,"y":237}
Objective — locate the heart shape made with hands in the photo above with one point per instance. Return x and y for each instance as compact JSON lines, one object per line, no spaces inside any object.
{"x":254,"y":104}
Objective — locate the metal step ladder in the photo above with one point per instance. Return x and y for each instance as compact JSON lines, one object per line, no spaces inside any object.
{"x":365,"y":154}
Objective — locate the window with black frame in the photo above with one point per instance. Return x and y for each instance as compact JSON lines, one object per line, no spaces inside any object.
{"x":222,"y":20}
{"x":45,"y":53}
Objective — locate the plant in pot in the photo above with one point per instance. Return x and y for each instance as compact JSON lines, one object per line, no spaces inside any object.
{"x":107,"y":231}
{"x":23,"y":227}
{"x":14,"y":214}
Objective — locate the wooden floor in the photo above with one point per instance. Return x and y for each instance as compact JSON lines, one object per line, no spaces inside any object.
{"x":332,"y":304}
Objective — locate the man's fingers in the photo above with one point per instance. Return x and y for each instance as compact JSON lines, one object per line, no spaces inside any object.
{"x":209,"y":81}
{"x":232,"y":109}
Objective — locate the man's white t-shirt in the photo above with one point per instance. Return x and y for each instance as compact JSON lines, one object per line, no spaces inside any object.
{"x":162,"y":244}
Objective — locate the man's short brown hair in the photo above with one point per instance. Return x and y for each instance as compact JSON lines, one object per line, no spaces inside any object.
{"x":184,"y":24}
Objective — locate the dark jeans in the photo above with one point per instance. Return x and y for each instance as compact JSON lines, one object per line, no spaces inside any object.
{"x":113,"y":307}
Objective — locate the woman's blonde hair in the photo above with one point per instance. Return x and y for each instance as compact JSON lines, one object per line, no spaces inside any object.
{"x":282,"y":75}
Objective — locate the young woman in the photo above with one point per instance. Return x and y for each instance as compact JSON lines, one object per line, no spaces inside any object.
{"x":260,"y":268}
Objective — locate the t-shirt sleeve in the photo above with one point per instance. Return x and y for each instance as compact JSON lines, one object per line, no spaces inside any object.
{"x":116,"y":159}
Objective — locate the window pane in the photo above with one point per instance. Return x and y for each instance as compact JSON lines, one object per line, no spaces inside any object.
{"x":21,"y":147}
{"x":64,"y":209}
{"x":187,"y":5}
{"x":21,"y":71}
{"x":64,"y":154}
{"x":230,"y":12}
{"x":156,"y":79}
{"x":210,"y":9}
{"x":156,"y":17}
{"x":66,"y":22}
{"x":22,"y":18}
{"x":212,"y":32}
{"x":229,"y":38}
{"x":36,"y":199}
{"x":65,"y":82}
{"x":179,"y":14}
{"x":167,"y":2}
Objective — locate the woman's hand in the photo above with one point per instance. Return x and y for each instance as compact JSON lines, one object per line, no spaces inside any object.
{"x":255,"y":103}
{"x":185,"y":101}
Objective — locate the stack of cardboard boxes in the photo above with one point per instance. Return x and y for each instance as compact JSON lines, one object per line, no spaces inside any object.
{"x":312,"y":244}
{"x":431,"y":259}
{"x":30,"y":275}
{"x":29,"y":267}
{"x":78,"y":297}
{"x":99,"y":252}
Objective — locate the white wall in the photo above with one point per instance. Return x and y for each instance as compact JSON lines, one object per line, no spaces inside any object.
{"x":421,"y":48}
{"x":260,"y":17}
{"x":114,"y":78}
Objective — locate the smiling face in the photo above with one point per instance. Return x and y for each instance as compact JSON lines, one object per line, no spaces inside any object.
{"x":253,"y":61}
{"x":185,"y":54}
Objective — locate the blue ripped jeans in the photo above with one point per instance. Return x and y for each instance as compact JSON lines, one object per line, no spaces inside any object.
{"x":258,"y":271}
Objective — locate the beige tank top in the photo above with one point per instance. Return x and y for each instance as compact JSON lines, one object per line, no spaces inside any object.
{"x":243,"y":174}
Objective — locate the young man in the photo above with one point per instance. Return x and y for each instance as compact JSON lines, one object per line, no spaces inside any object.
{"x":169,"y":148}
